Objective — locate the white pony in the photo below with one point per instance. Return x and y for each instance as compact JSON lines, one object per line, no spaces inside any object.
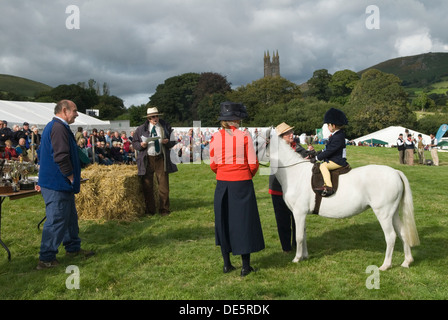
{"x":384,"y":189}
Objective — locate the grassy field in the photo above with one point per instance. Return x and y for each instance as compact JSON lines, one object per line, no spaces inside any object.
{"x":175,"y":257}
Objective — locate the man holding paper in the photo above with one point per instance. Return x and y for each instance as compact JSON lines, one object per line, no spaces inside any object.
{"x":152,"y":141}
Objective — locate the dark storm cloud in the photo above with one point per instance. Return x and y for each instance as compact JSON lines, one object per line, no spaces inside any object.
{"x":135,"y":45}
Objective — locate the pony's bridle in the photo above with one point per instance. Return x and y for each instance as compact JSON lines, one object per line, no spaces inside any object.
{"x":268,"y":140}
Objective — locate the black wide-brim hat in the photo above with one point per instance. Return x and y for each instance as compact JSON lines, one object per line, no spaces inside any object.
{"x":335,"y":116}
{"x":232,"y":111}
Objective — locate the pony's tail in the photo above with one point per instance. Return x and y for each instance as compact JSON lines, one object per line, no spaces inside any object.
{"x":407,"y":209}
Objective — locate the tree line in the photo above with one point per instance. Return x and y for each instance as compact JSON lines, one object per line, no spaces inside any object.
{"x":87,"y":96}
{"x":371,"y":101}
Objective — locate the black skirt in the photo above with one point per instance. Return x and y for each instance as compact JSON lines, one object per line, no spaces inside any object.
{"x":237,"y":221}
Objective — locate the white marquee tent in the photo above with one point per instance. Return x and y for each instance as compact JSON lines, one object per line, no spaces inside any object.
{"x":390,"y":135}
{"x":40,"y":113}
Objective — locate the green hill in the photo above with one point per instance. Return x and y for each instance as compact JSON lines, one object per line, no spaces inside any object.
{"x":417,"y":71}
{"x":21,"y":86}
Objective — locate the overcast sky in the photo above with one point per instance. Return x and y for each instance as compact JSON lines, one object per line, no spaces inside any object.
{"x":134,"y":45}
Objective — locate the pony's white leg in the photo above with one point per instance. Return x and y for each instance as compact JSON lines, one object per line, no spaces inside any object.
{"x":304,"y":247}
{"x":300,"y":237}
{"x":390,"y":235}
{"x":401,"y":231}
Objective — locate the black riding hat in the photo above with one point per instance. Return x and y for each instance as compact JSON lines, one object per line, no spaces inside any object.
{"x":232,"y":111}
{"x":335,"y":116}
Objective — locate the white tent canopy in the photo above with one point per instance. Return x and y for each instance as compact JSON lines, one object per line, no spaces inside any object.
{"x":390,"y":135}
{"x":40,"y":113}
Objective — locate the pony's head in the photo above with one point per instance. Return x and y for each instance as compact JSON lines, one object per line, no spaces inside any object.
{"x":261,"y":145}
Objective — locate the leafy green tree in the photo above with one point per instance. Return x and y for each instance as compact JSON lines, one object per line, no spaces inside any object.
{"x":110,"y":107}
{"x":376,"y":102}
{"x":319,"y":85}
{"x":137,"y":114}
{"x":175,"y":97}
{"x":431,"y":123}
{"x":342,"y":84}
{"x":263,"y":93}
{"x":210,"y":87}
{"x":83,"y":98}
{"x":305,"y":115}
{"x":209,"y":108}
{"x":190,"y":96}
{"x":423,"y":102}
{"x":440,"y":100}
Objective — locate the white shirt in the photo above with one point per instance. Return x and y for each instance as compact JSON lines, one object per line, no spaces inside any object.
{"x":151,"y":144}
{"x":61,"y":120}
{"x":433,"y":142}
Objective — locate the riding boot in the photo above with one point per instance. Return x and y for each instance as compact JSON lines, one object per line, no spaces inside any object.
{"x":227,"y":264}
{"x":328,"y":191}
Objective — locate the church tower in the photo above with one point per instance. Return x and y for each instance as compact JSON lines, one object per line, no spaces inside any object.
{"x":271,"y":68}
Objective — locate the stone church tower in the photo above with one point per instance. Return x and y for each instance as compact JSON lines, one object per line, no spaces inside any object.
{"x":271,"y":68}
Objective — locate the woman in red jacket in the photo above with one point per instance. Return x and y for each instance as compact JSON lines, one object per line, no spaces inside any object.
{"x":233,"y":159}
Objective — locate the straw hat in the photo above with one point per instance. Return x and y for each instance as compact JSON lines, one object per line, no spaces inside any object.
{"x":152,"y":112}
{"x":282,"y":128}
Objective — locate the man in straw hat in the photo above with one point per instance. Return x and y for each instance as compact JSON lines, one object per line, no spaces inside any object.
{"x":152,"y":141}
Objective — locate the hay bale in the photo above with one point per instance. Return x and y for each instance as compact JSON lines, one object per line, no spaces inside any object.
{"x":111,"y":193}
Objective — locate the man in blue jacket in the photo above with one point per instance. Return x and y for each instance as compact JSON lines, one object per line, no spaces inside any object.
{"x":59,"y":181}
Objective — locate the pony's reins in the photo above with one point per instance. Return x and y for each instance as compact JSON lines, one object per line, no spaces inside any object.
{"x":292,"y":165}
{"x":288,"y":166}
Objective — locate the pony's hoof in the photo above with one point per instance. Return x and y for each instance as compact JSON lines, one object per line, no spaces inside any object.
{"x":385,"y":267}
{"x":297,"y":259}
{"x":406,"y":263}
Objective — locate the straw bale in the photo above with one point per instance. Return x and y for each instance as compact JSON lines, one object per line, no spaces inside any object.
{"x":111,"y":193}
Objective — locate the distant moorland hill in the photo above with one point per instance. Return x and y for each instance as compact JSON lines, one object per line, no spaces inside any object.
{"x":417,"y":71}
{"x":21,"y":86}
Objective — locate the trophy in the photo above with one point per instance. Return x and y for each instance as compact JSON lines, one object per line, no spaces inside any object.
{"x":15,"y":175}
{"x":5,"y":184}
{"x":25,"y":168}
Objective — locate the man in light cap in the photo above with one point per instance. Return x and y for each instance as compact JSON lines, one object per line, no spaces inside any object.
{"x":152,"y":141}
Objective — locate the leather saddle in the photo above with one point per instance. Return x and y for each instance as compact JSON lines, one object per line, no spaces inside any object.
{"x":317,"y":181}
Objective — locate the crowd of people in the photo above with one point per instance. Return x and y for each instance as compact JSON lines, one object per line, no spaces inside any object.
{"x":114,"y":147}
{"x":108,"y":147}
{"x":105,"y":147}
{"x":18,"y":142}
